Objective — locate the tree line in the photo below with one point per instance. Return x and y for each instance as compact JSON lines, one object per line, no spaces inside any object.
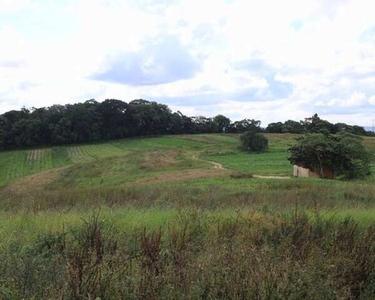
{"x":115,"y":119}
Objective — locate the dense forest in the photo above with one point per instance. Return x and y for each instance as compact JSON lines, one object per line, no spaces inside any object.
{"x":116,"y":119}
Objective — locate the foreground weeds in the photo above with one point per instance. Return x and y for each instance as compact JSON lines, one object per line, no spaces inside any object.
{"x":195,"y":257}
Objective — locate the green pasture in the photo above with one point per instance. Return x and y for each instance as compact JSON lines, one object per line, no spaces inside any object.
{"x":120,"y":161}
{"x":106,"y":156}
{"x":272,"y":162}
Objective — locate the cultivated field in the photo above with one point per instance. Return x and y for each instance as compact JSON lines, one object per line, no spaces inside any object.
{"x":179,"y":217}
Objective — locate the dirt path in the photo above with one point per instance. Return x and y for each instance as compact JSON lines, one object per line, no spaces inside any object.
{"x":216,"y":165}
{"x":271,"y":177}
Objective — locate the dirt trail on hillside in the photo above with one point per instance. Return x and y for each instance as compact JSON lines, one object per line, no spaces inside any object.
{"x":216,"y":165}
{"x":271,"y":177}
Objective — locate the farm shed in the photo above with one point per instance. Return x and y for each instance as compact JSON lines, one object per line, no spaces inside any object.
{"x":299,"y":171}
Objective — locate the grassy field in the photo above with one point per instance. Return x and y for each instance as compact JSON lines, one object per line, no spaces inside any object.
{"x":164,"y":218}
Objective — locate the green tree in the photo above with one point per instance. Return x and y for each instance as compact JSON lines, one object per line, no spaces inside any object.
{"x":254,"y":142}
{"x":61,"y":133}
{"x":245,"y":125}
{"x":114,"y":119}
{"x":2,"y":138}
{"x":317,"y":125}
{"x":342,"y":153}
{"x":222,"y":122}
{"x":27,"y":132}
{"x":275,"y":127}
{"x":292,"y":127}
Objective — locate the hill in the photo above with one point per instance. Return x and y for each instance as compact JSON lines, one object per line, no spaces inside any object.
{"x":179,"y":216}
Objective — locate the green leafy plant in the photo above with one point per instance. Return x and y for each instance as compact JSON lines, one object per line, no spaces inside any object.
{"x":254,"y":142}
{"x":342,"y":153}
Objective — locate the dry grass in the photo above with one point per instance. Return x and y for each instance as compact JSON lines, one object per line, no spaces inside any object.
{"x":156,"y":160}
{"x":36,"y":182}
{"x":183,"y":176}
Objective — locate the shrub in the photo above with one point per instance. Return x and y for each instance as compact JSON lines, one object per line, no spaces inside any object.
{"x":342,"y":153}
{"x":240,"y":175}
{"x":254,"y":142}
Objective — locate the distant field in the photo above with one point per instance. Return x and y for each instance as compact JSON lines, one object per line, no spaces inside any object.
{"x":109,"y":158}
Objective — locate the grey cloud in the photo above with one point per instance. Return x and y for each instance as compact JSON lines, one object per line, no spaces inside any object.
{"x":341,"y":110}
{"x":194,"y":100}
{"x":12,"y":64}
{"x":368,"y":35}
{"x":25,"y":85}
{"x":276,"y":89}
{"x":161,"y":61}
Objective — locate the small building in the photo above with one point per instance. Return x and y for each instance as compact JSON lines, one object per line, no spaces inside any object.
{"x":299,"y":171}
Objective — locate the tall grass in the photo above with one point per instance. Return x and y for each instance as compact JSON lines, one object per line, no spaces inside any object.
{"x":195,"y":257}
{"x":224,"y":193}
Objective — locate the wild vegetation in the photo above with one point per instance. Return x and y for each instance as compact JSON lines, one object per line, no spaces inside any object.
{"x":181,"y":217}
{"x":252,"y":141}
{"x":342,"y":153}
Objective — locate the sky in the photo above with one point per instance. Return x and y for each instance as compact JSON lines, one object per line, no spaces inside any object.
{"x":270,"y":60}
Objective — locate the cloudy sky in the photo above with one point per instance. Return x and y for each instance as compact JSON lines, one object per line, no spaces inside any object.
{"x":270,"y":60}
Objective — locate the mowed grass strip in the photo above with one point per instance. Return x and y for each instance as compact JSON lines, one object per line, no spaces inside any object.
{"x":223,"y":139}
{"x":12,"y":165}
{"x":60,"y":157}
{"x":84,"y":153}
{"x":38,"y":160}
{"x":155,"y":143}
{"x":18,"y":163}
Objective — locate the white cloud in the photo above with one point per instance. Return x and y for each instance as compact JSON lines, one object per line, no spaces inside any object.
{"x":327,"y":61}
{"x":356,"y":99}
{"x":8,"y":6}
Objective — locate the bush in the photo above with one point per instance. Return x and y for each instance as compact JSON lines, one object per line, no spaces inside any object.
{"x":254,"y":142}
{"x":241,"y":175}
{"x":342,"y":153}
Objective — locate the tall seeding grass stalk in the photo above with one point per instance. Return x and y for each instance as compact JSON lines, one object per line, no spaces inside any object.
{"x":196,"y":257}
